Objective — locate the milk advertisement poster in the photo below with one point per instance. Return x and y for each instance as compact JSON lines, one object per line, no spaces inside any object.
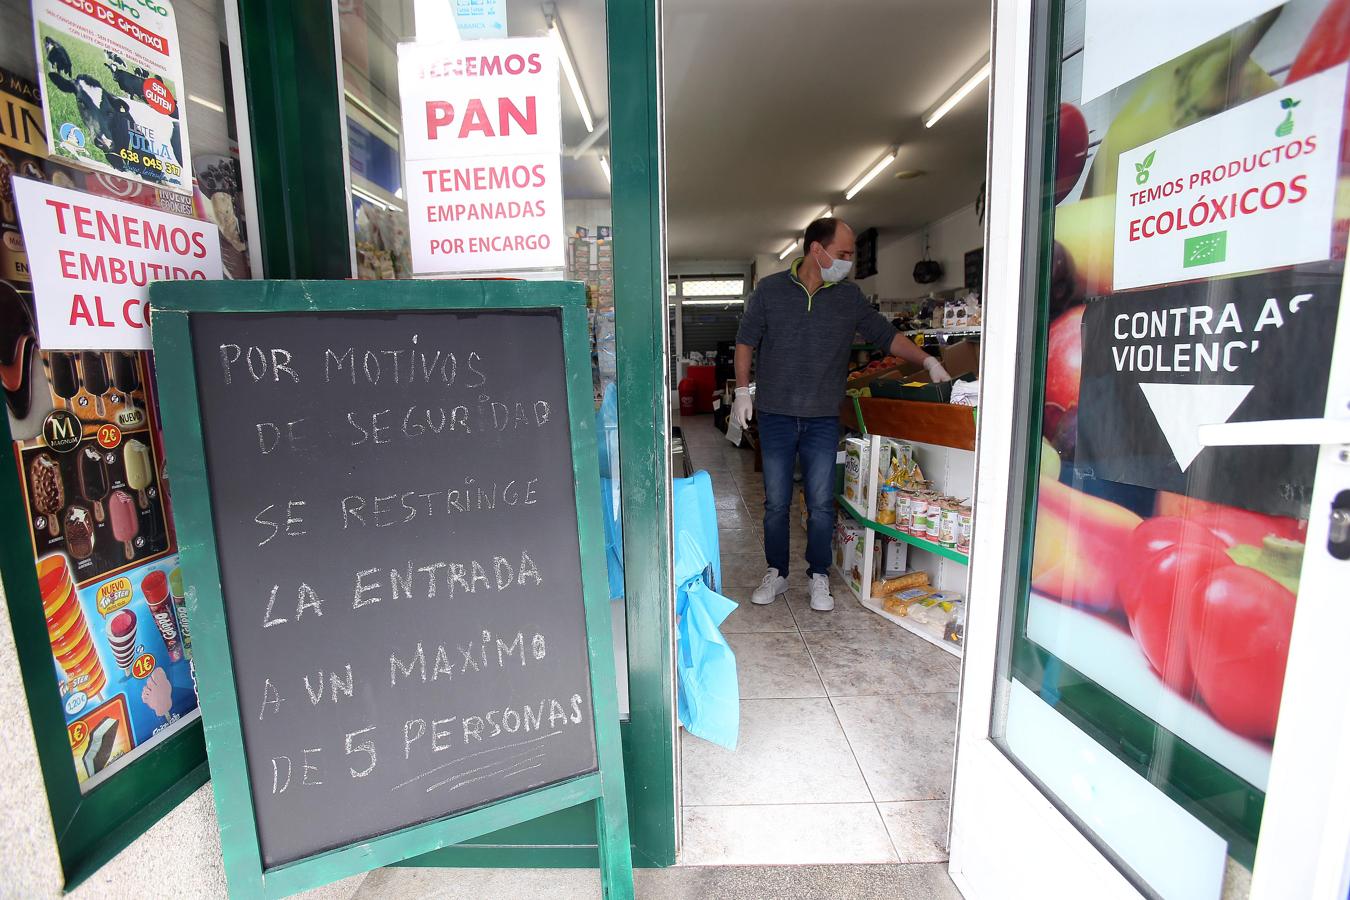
{"x":112,"y":87}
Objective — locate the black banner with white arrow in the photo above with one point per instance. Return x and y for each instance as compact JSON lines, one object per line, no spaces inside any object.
{"x":1159,"y":364}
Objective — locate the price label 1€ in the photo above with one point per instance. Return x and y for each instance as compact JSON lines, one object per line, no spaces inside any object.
{"x":143,"y":666}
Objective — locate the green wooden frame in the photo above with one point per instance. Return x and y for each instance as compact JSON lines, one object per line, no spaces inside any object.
{"x":173,"y":306}
{"x":1216,"y":796}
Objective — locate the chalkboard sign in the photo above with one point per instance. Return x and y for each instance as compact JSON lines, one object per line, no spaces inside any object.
{"x":386,"y":497}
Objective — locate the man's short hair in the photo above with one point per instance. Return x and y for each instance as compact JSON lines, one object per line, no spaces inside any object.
{"x":822,"y":230}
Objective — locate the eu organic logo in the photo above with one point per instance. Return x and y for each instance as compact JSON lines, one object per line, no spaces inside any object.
{"x":1141,"y":168}
{"x":1286,"y":127}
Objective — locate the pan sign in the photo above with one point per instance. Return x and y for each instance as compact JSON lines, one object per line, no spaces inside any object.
{"x":482,"y":132}
{"x":1159,"y":364}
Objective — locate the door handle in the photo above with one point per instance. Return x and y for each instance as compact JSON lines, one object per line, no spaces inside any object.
{"x":1276,"y":432}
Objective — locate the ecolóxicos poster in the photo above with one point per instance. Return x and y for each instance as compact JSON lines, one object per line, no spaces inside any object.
{"x":1200,"y":229}
{"x":112,"y":87}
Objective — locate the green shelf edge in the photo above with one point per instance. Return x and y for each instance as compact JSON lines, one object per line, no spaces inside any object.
{"x":946,"y":552}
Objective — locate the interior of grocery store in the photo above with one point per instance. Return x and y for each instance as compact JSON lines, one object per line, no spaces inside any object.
{"x":848,"y":717}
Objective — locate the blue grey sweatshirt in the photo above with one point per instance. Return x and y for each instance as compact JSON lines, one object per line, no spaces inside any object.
{"x":802,"y":342}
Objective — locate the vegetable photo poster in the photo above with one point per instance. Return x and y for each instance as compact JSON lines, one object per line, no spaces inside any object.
{"x":112,"y":86}
{"x":1200,"y":226}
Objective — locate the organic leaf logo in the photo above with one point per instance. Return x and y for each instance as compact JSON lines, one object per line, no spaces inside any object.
{"x":1286,"y":127}
{"x":1141,"y":168}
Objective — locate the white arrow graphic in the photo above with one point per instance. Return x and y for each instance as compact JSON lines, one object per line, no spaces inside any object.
{"x":1182,"y":408}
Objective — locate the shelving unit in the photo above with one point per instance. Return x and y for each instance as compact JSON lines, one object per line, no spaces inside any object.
{"x":921,"y":543}
{"x":867,"y":518}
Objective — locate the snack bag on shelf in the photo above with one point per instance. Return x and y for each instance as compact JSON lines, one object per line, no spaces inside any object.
{"x":901,"y":582}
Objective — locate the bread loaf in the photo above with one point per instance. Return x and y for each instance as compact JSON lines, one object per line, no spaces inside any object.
{"x":891,"y":585}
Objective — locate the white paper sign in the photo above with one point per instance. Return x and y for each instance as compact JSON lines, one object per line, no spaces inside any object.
{"x":93,"y":259}
{"x":482,"y":135}
{"x":1123,"y":39}
{"x":112,"y":88}
{"x":1249,"y":189}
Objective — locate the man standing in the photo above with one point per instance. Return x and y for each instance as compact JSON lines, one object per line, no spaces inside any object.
{"x":802,"y":322}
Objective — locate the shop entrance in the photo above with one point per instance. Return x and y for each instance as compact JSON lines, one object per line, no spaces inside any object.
{"x":847,"y":717}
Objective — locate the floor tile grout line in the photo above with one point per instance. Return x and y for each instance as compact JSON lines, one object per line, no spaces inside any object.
{"x":844,"y":731}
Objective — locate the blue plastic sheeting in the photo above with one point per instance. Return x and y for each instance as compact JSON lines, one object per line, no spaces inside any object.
{"x":607,"y":434}
{"x":709,"y":701}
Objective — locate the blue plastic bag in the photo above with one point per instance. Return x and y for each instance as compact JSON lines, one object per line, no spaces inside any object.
{"x":694,"y":514}
{"x":709,"y":697}
{"x":709,"y":703}
{"x":607,"y":440}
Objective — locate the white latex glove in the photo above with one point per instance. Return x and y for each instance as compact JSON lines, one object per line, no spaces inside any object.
{"x":935,"y":370}
{"x":742,"y":408}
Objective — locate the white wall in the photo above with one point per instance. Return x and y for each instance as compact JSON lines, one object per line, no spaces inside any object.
{"x":587,"y":214}
{"x":949,"y":238}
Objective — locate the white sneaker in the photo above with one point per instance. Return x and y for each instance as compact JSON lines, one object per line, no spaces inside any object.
{"x":772,"y":585}
{"x":821,"y":601}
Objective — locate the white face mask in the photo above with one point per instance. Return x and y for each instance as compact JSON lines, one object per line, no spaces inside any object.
{"x":837,"y":270}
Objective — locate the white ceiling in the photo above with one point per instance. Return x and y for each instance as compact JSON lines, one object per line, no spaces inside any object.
{"x":775,"y":107}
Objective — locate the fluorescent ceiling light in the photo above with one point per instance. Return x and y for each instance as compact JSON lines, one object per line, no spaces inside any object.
{"x":570,"y":72}
{"x":712,"y":302}
{"x":871,"y":173}
{"x":365,"y":108}
{"x":787,"y":251}
{"x":209,"y":104}
{"x":604,"y":164}
{"x":968,"y":83}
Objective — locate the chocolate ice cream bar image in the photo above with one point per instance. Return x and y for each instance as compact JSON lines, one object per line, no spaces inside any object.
{"x":64,"y":379}
{"x":18,"y":343}
{"x":94,"y":376}
{"x":49,"y":492}
{"x":79,"y":532}
{"x":93,"y":479}
{"x":102,"y":743}
{"x":126,"y":376}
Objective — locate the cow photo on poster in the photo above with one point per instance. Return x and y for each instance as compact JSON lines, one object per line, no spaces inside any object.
{"x":112,"y":79}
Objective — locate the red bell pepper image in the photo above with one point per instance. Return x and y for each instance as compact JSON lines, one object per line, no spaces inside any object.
{"x":1210,"y":600}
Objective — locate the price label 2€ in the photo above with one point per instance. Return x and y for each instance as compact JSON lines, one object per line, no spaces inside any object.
{"x":143,"y":666}
{"x":78,"y":731}
{"x":109,"y":436}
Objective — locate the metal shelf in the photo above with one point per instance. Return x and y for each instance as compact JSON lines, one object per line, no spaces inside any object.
{"x":930,"y":546}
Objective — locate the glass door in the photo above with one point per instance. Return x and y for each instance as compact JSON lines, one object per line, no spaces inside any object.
{"x":1158,"y":703}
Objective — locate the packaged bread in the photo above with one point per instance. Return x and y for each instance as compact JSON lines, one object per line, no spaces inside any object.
{"x":899,"y":583}
{"x":900,"y":603}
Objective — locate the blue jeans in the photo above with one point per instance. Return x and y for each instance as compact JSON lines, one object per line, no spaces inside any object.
{"x":782,"y":440}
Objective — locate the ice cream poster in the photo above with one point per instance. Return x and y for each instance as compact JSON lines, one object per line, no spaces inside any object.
{"x":112,"y":85}
{"x":122,"y":651}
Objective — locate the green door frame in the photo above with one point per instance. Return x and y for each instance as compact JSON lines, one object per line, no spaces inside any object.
{"x":294,"y":89}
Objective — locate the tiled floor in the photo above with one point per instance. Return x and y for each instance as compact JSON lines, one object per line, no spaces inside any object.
{"x":847,"y":721}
